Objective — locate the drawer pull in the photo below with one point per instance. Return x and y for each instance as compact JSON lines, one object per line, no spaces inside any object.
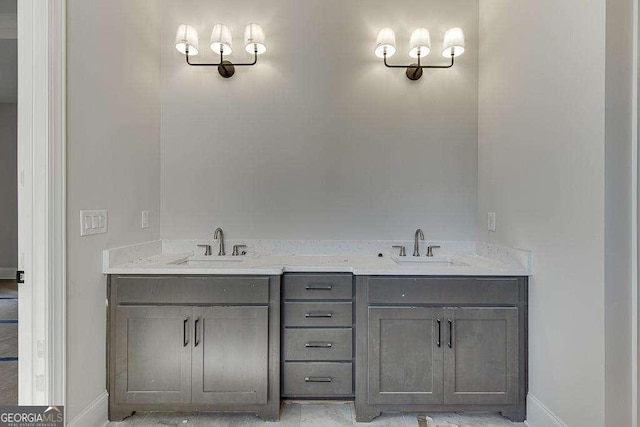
{"x":318,"y":345}
{"x":195,"y":338}
{"x":185,"y":339}
{"x":317,"y":287}
{"x":317,"y":379}
{"x":318,"y":314}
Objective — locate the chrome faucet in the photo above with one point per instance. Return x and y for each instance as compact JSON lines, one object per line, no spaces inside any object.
{"x":419,"y":235}
{"x":402,"y":250}
{"x":430,"y":250}
{"x":219,"y":235}
{"x":207,"y":249}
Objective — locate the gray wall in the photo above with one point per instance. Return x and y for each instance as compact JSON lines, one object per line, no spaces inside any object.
{"x":113,"y":163}
{"x":541,"y":169}
{"x":8,"y":188}
{"x":319,"y":140}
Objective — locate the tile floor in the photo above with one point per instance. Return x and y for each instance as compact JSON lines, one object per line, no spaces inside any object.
{"x":338,"y":414}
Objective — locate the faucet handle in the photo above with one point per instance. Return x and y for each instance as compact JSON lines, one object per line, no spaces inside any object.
{"x":236,"y":252}
{"x":207,"y":249}
{"x":402,"y":250}
{"x":430,"y":250}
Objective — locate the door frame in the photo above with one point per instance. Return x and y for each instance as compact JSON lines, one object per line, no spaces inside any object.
{"x":41,"y":201}
{"x":635,"y":224}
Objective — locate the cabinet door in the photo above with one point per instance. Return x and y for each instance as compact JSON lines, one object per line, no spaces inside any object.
{"x":481,"y":356}
{"x":231,"y":355}
{"x":153,"y":354}
{"x":405,"y":355}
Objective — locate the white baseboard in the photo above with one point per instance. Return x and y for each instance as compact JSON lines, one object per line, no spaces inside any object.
{"x":538,"y":415}
{"x":7,"y":273}
{"x":94,"y":415}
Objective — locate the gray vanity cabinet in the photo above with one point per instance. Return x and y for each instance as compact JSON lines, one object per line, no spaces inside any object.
{"x":153,"y":361}
{"x":481,"y":356}
{"x":441,"y":344}
{"x":405,"y":355}
{"x":193,"y":343}
{"x":230,"y":357}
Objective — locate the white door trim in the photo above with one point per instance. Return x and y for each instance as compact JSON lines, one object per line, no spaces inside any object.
{"x":635,"y":224}
{"x":41,"y":201}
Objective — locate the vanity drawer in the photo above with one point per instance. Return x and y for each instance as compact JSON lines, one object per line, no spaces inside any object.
{"x":192,"y":290}
{"x":318,"y":286}
{"x":317,"y":379}
{"x":317,"y":314}
{"x":317,"y":344}
{"x":443,"y":290}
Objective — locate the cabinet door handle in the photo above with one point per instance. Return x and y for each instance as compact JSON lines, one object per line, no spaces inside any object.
{"x":317,"y":379}
{"x":318,"y":314}
{"x":318,"y":345}
{"x":319,"y":287}
{"x":450,"y":332}
{"x":439,"y":333}
{"x":196,"y":341}
{"x":185,"y":335}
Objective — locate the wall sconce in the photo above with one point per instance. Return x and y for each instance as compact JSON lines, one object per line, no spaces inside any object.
{"x":220,"y":43}
{"x":419,"y":47}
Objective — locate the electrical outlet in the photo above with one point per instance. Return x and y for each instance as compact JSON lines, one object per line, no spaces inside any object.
{"x":491,"y":221}
{"x":145,"y":219}
{"x":93,"y":222}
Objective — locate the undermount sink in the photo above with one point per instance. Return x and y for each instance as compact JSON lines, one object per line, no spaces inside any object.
{"x":423,"y":261}
{"x":209,"y":260}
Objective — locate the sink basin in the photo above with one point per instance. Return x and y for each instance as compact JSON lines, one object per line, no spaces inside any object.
{"x":423,"y":261}
{"x":203,"y":263}
{"x":209,"y":260}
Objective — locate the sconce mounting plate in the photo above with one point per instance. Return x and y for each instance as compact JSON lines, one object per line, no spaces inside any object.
{"x":226,"y":69}
{"x":414,"y":71}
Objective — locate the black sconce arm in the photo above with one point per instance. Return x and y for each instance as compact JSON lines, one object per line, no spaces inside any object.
{"x":255,"y":60}
{"x":414,"y":66}
{"x":225,"y":68}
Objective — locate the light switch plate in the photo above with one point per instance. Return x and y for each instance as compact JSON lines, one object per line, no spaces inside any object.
{"x":145,"y":219}
{"x":93,"y":222}
{"x":491,"y":221}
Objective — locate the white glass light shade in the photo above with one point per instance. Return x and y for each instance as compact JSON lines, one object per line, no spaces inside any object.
{"x":420,"y":43}
{"x":385,"y":42}
{"x":453,"y":42}
{"x":187,"y":37}
{"x":221,"y":39}
{"x":254,"y":39}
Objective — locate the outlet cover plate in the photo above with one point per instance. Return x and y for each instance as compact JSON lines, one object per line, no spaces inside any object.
{"x":145,"y":219}
{"x":491,"y":221}
{"x":93,"y":222}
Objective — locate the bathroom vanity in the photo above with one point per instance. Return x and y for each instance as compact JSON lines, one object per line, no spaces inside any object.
{"x":227,"y":335}
{"x":193,"y":343}
{"x":441,"y":344}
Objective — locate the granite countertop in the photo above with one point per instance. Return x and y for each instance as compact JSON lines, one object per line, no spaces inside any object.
{"x":179,"y":257}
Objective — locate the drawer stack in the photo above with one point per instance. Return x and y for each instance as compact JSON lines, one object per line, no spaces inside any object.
{"x":317,"y":339}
